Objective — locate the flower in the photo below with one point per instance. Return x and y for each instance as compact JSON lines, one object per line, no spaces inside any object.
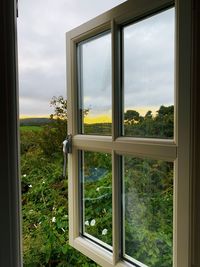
{"x":43,"y":182}
{"x":97,"y":189}
{"x":24,"y":175}
{"x":53,"y":219}
{"x":30,"y":185}
{"x":92,"y":223}
{"x":87,"y":223}
{"x":105,"y":231}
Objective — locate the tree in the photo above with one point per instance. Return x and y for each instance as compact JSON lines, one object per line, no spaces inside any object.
{"x":131,"y":116}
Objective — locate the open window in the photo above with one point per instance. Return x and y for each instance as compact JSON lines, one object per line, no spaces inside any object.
{"x":128,"y":115}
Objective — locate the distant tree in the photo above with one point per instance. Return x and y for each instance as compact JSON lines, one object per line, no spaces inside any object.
{"x":55,"y":132}
{"x":148,"y":115}
{"x":164,"y":122}
{"x":131,"y":116}
{"x":60,"y":108}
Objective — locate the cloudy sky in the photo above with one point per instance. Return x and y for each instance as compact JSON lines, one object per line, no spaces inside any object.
{"x":148,"y":57}
{"x":41,"y":40}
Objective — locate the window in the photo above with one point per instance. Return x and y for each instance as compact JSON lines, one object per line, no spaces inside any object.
{"x":128,"y":110}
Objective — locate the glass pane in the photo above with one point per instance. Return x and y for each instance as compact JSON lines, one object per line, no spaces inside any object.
{"x":96,"y":187}
{"x":149,"y":77}
{"x":148,"y":211}
{"x":94,"y":65}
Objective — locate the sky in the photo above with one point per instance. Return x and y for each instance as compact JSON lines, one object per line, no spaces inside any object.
{"x":148,"y":57}
{"x":41,"y":47}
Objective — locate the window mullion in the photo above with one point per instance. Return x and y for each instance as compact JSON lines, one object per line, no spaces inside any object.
{"x":116,"y":132}
{"x":116,"y":81}
{"x":116,"y":206}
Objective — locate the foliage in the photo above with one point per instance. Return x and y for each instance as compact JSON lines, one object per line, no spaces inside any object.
{"x":30,"y":128}
{"x":44,"y":196}
{"x":159,"y":126}
{"x":147,"y":193}
{"x":148,"y":189}
{"x":45,"y":213}
{"x":97,"y":190}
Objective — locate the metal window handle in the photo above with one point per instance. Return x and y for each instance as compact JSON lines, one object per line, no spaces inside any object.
{"x":67,"y":145}
{"x":67,"y":148}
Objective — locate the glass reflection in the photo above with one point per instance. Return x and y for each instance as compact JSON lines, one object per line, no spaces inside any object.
{"x":148,"y":211}
{"x":96,"y":184}
{"x":94,"y":67}
{"x":149,"y":76}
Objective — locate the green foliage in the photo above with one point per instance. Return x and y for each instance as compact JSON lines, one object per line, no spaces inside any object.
{"x":30,"y":128}
{"x":148,"y":188}
{"x":45,"y":213}
{"x":160,"y":126}
{"x":131,"y":117}
{"x":148,"y":193}
{"x":44,"y":196}
{"x":98,"y":128}
{"x":97,"y":190}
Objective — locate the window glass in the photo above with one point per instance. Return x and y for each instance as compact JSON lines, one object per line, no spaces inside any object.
{"x":96,"y":196}
{"x":148,"y":211}
{"x":94,"y":68}
{"x":149,"y":76}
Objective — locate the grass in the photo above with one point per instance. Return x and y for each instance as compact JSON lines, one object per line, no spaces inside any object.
{"x":30,"y":128}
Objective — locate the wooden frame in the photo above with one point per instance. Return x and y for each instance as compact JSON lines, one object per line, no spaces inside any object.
{"x":177,"y":150}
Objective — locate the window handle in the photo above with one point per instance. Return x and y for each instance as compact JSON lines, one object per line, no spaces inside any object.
{"x":67,"y":148}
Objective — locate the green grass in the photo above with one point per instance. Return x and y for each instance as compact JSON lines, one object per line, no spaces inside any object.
{"x":30,"y":128}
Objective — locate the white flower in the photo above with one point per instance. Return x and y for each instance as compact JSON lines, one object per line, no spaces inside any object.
{"x":30,"y":185}
{"x":53,"y":219}
{"x":24,"y":175}
{"x":92,"y":223}
{"x":104,"y":232}
{"x":43,"y":182}
{"x":87,"y":223}
{"x":97,"y":189}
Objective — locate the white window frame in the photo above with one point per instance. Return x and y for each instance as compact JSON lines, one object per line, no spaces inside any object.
{"x":177,"y":150}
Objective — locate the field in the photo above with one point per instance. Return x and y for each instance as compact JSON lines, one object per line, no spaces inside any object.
{"x":30,"y":128}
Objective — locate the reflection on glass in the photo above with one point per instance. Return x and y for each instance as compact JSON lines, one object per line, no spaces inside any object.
{"x":148,"y":211}
{"x":96,"y":184}
{"x":149,"y":76}
{"x":94,"y":69}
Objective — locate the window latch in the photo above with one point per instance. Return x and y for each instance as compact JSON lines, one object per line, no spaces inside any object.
{"x":67,"y":145}
{"x":67,"y":148}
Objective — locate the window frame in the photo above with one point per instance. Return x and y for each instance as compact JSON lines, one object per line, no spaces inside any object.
{"x":177,"y":150}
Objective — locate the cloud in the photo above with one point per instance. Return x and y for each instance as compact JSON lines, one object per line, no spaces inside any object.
{"x":34,"y":107}
{"x":41,"y":43}
{"x":149,"y":55}
{"x":149,"y":61}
